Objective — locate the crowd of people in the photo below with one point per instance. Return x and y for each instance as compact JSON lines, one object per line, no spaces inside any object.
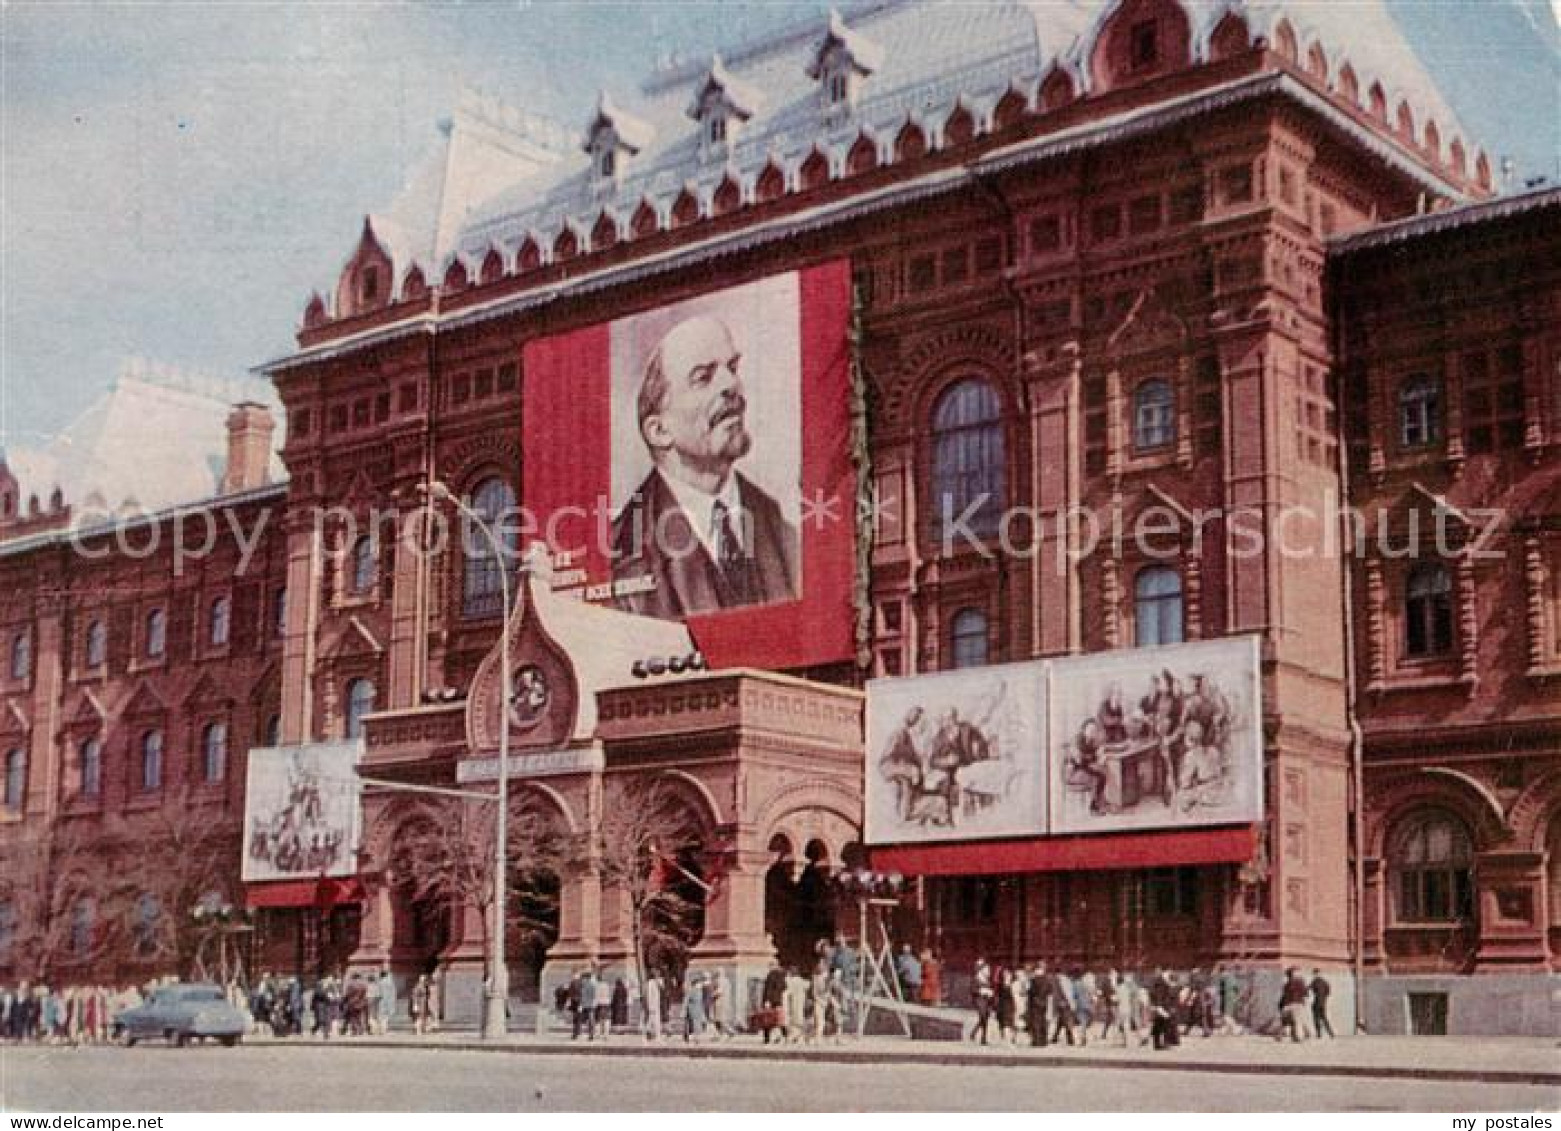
{"x":1042,"y":1006}
{"x":354,"y":1006}
{"x":62,"y":1015}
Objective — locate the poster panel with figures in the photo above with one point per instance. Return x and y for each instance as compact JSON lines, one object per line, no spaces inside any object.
{"x":1157,"y":738}
{"x":302,"y":808}
{"x":692,"y":462}
{"x":957,"y":755}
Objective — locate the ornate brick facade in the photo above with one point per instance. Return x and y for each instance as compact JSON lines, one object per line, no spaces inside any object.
{"x":1189,"y":218}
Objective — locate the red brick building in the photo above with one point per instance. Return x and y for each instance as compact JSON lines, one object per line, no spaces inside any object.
{"x":1144,"y":261}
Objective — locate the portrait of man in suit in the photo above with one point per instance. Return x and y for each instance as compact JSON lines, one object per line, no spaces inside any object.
{"x":697,"y":535}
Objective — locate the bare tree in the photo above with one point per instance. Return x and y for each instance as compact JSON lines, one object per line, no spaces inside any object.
{"x":185,"y":858}
{"x":63,"y":902}
{"x":647,"y":841}
{"x":448,"y":858}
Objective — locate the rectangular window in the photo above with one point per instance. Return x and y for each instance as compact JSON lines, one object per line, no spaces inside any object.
{"x":509,"y":377}
{"x":461,"y":388}
{"x":381,"y":408}
{"x":338,"y":418}
{"x":1236,"y":184}
{"x":956,"y":265}
{"x":989,"y":256}
{"x":921,"y":274}
{"x":301,"y":422}
{"x":360,"y":413}
{"x":1045,"y":235}
{"x":1493,"y":399}
{"x":1143,"y":215}
{"x":1187,"y":204}
{"x":482,"y":386}
{"x":1105,"y":223}
{"x":1171,"y":892}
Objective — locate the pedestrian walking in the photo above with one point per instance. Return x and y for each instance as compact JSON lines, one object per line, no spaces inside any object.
{"x":1292,"y":1007}
{"x":1321,"y":991}
{"x":421,"y":1005}
{"x":652,"y":1020}
{"x":984,"y":994}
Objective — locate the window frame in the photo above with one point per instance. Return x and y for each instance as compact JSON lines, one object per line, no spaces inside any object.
{"x":493,"y":498}
{"x":153,"y":750}
{"x":219,"y":621}
{"x":1430,"y":630}
{"x":352,"y":720}
{"x":969,"y":628}
{"x":95,"y":645}
{"x":89,"y":767}
{"x":1433,"y":893}
{"x":155,"y":644}
{"x":969,"y":453}
{"x":215,"y":729}
{"x":21,"y":657}
{"x":1154,"y":420}
{"x":1420,"y":412}
{"x":15,"y":785}
{"x":1151,"y":608}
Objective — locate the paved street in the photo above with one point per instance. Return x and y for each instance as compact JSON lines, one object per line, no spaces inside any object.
{"x":308,"y":1077}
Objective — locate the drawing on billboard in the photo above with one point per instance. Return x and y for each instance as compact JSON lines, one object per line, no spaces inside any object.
{"x":707,"y":452}
{"x":957,"y":755}
{"x":301,"y":812}
{"x":1157,"y":738}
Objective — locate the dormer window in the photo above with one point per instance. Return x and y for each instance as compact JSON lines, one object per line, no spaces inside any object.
{"x":842,"y":61}
{"x":612,"y":137}
{"x":721,"y":104}
{"x":837,"y":88}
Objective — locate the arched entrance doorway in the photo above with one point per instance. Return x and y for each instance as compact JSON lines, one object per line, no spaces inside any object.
{"x":799,"y":901}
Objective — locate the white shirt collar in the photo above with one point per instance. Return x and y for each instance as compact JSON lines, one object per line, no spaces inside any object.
{"x":700,"y":509}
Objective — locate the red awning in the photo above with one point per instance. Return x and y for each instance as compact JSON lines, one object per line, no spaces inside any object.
{"x":322,"y":893}
{"x":1070,"y":853}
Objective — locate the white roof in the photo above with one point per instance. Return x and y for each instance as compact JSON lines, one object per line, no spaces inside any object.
{"x":157,"y":437}
{"x":927,"y":58}
{"x":602,"y":643}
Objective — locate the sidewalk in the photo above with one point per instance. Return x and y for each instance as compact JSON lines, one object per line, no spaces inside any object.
{"x":1522,"y":1060}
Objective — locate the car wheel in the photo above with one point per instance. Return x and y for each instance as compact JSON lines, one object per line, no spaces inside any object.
{"x":229,"y":1042}
{"x":181,"y":1039}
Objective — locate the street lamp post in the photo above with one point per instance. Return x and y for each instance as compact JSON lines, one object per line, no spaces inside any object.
{"x":495,"y":1000}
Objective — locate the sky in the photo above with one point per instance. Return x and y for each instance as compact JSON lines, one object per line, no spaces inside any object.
{"x":175,"y":178}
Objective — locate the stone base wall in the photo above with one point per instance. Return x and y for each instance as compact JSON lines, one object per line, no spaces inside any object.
{"x":1483,"y":1005}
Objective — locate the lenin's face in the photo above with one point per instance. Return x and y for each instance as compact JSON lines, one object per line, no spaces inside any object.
{"x":702,"y":418}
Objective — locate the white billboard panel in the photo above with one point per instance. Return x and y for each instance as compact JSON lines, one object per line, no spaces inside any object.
{"x":302,"y":812}
{"x":957,"y":755}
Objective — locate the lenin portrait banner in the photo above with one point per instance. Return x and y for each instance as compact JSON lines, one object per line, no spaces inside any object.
{"x":693,"y":462}
{"x":957,"y":755}
{"x":302,"y":812}
{"x":1157,"y":738}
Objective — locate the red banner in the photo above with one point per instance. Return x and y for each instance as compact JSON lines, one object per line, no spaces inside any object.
{"x":1070,"y":853}
{"x":693,"y":462}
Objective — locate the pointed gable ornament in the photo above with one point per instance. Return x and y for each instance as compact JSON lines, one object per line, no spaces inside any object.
{"x":842,"y":45}
{"x":735,"y":97}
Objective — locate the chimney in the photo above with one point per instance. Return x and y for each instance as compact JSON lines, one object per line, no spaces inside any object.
{"x":250,"y":429}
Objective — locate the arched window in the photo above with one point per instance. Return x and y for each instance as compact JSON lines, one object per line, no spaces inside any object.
{"x":83,"y":920}
{"x":156,"y":633}
{"x":21,"y":656}
{"x":1154,"y":415}
{"x":221,"y":618}
{"x":97,"y":644}
{"x":214,"y":751}
{"x":1428,"y":611}
{"x":1432,"y":865}
{"x":152,"y":760}
{"x":365,"y":565}
{"x":91,"y":766}
{"x":1419,"y":412}
{"x":1157,"y":595}
{"x":968,"y":637}
{"x":360,"y":701}
{"x":967,"y":458}
{"x":146,"y":921}
{"x":15,"y":779}
{"x":482,"y":589}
